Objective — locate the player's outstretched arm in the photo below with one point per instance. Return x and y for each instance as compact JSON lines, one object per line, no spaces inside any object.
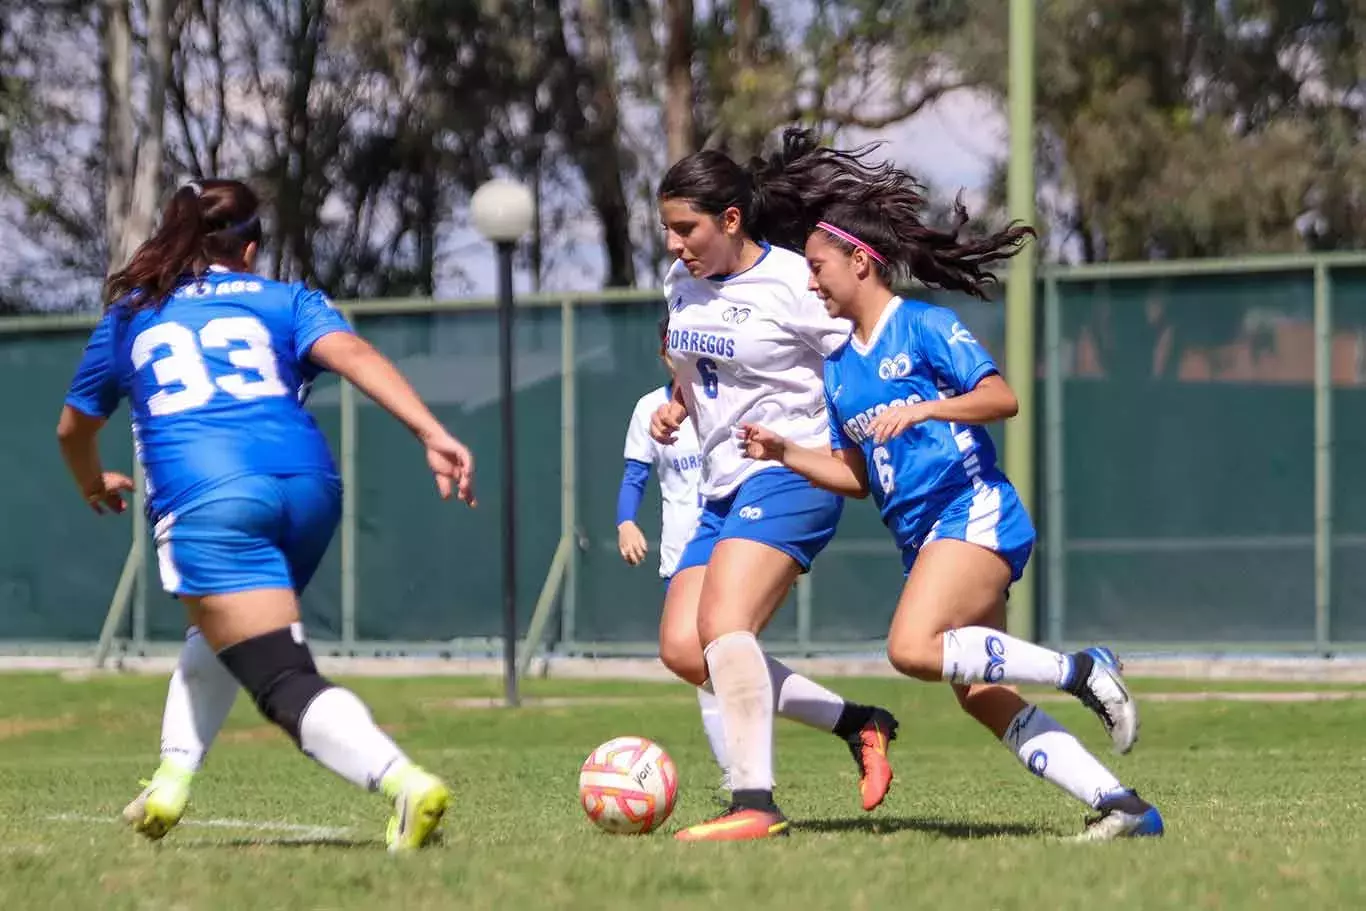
{"x":374,"y":374}
{"x":77,"y":436}
{"x":842,"y":472}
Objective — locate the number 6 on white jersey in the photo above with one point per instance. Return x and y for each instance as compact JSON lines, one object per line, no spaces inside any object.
{"x":185,"y":366}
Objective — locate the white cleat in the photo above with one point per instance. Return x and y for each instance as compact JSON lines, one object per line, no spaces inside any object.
{"x":1123,"y":815}
{"x":1103,"y":692}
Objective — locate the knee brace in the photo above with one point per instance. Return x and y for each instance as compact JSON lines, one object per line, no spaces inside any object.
{"x":277,"y":669}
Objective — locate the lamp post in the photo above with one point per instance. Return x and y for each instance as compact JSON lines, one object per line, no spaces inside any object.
{"x":503,"y":211}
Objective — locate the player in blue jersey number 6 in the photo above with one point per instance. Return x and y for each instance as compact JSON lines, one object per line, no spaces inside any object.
{"x":241,"y":489}
{"x":907,"y":397}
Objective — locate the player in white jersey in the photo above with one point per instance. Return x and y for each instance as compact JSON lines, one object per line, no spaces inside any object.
{"x":747,"y":339}
{"x":679,"y":465}
{"x":907,"y":397}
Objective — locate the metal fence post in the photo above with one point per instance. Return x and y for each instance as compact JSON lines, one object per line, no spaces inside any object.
{"x":569,"y":481}
{"x":347,"y":405}
{"x":139,"y":538}
{"x":1323,"y":457}
{"x":1020,"y":313}
{"x":1055,"y":566}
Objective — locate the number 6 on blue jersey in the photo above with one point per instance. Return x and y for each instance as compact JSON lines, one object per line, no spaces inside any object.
{"x":886,"y":472}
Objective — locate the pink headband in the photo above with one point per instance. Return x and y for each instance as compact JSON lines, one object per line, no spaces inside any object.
{"x":851,"y":239}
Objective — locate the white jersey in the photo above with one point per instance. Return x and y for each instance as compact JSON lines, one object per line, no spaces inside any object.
{"x":748,"y":348}
{"x":678,"y":465}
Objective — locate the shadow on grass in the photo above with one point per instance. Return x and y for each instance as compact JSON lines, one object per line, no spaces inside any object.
{"x":941,"y":827}
{"x":302,"y":841}
{"x":280,"y":841}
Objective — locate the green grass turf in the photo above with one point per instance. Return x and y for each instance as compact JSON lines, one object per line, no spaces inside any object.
{"x":1262,"y":802}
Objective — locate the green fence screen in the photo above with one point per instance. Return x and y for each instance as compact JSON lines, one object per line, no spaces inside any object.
{"x":1185,"y":484}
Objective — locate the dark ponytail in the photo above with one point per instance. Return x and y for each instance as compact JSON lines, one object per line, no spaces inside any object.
{"x":781,"y":198}
{"x":777,"y":195}
{"x":205,"y":222}
{"x":887,"y":219}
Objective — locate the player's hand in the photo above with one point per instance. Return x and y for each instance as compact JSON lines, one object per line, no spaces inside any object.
{"x":452,"y":465}
{"x":897,"y":420}
{"x":631,"y":542}
{"x":666,"y":420}
{"x":761,"y":443}
{"x":109,"y":494}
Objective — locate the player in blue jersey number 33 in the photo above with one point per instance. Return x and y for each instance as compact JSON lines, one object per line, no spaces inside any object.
{"x":241,"y":490}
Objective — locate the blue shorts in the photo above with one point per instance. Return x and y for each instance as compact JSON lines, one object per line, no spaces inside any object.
{"x":253,"y":532}
{"x":777,"y":507}
{"x":989,"y":514}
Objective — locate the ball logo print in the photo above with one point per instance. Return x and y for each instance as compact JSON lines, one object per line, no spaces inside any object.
{"x":735,"y":314}
{"x":751,"y":512}
{"x":628,"y":786}
{"x":893,"y":368}
{"x":1038,"y":761}
{"x":996,"y":660}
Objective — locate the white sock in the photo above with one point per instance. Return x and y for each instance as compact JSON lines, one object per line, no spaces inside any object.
{"x":744,"y":690}
{"x":1049,"y":751}
{"x":716,"y":731}
{"x":803,"y":699}
{"x":337,"y":731}
{"x":198,"y":700}
{"x":976,"y":654}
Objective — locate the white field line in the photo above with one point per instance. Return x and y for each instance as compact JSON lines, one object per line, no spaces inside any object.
{"x":288,"y":828}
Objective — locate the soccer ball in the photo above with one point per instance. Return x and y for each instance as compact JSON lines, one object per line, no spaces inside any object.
{"x":627,"y":786}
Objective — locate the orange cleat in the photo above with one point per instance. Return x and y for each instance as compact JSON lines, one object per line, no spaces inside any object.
{"x":869,"y":748}
{"x":738,"y":824}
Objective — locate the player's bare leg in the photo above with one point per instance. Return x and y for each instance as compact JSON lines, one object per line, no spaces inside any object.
{"x":943,"y":630}
{"x":258,"y":637}
{"x":867,"y":730}
{"x":957,"y":587}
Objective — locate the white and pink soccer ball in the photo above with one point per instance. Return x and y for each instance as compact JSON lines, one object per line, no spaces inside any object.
{"x":628,"y":785}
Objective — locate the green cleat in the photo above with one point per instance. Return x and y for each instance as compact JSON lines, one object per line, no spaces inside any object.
{"x":420,"y":800}
{"x":162,"y":802}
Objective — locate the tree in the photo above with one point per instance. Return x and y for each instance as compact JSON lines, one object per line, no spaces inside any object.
{"x":1171,"y":128}
{"x":680,"y":126}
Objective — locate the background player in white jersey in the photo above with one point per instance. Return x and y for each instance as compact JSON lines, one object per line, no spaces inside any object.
{"x":907,"y":397}
{"x":679,"y":465}
{"x":747,"y":338}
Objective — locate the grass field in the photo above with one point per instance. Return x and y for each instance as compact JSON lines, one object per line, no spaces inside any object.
{"x":1263,"y":802}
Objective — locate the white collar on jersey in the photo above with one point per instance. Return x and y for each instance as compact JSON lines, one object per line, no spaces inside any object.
{"x":860,"y":347}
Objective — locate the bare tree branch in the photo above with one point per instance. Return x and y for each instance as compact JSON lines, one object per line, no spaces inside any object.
{"x":903,"y":110}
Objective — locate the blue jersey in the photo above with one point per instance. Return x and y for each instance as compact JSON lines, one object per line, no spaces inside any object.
{"x":916,"y":353}
{"x":215,"y":380}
